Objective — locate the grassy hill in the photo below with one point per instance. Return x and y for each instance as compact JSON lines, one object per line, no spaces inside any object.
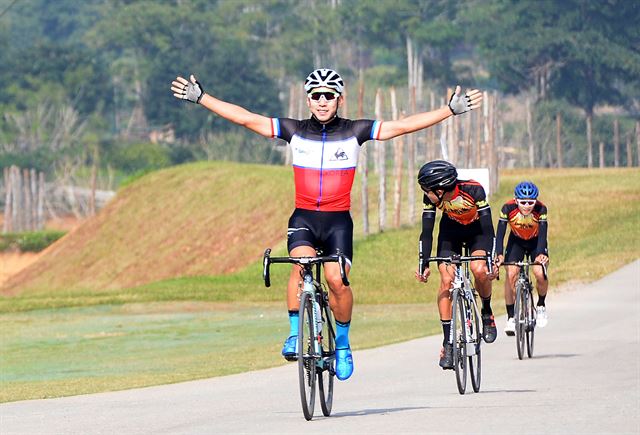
{"x":197,"y":219}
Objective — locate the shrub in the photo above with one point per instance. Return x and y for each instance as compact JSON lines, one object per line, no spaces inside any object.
{"x":32,"y":241}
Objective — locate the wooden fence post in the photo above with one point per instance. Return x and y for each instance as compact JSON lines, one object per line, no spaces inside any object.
{"x":485,"y":128}
{"x":40,"y":207}
{"x":7,"y":225}
{"x":26,"y":213}
{"x":601,"y":149}
{"x":431,"y":146}
{"x":467,"y":141}
{"x":638,"y":140}
{"x":476,"y":138}
{"x":17,"y":199}
{"x":589,"y":142}
{"x":364,"y":165}
{"x":411,"y":165}
{"x":532,"y":152}
{"x":291,"y":113}
{"x":616,"y":143}
{"x":559,"y":139}
{"x":491,"y":143}
{"x":381,"y":165}
{"x":397,"y":163}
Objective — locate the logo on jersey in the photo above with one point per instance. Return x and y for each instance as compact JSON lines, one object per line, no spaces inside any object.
{"x":339,"y":155}
{"x":524,"y":222}
{"x":302,"y":150}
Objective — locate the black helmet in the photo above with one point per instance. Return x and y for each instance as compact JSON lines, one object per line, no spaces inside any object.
{"x":437,"y":174}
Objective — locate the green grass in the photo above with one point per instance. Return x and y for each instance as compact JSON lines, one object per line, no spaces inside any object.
{"x":70,"y":342}
{"x":49,"y":353}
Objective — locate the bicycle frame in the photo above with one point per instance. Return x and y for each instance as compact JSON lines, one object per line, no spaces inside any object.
{"x":464,"y":304}
{"x":462,"y":281}
{"x":312,"y":286}
{"x":316,"y":351}
{"x":525,"y":315}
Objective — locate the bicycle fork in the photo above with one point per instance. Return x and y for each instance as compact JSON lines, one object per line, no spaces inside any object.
{"x":316,"y":322}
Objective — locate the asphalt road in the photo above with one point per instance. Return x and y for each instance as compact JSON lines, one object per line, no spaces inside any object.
{"x":584,"y":378}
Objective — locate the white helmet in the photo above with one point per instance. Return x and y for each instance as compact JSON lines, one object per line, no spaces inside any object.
{"x":324,"y":78}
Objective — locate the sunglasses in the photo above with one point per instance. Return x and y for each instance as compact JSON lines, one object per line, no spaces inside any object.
{"x":526,"y":201}
{"x":327,"y":95}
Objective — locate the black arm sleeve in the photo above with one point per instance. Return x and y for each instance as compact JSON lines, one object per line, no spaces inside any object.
{"x":426,"y":237}
{"x":486,"y":223}
{"x":542,"y":238}
{"x":501,"y":232}
{"x":502,"y":229}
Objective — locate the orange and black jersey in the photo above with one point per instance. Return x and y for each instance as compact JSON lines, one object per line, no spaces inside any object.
{"x":523,"y":227}
{"x":467,"y":208}
{"x":468,"y":201}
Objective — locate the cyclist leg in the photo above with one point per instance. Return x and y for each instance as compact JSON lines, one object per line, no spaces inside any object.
{"x":480,"y":245}
{"x":542,"y":285}
{"x":444,"y":308}
{"x":300,"y":243}
{"x":338,"y":237}
{"x":513,"y":252}
{"x":448,"y":244}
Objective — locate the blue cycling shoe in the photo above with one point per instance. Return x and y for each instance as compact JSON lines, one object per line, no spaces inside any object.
{"x":344,"y":364}
{"x":290,"y":348}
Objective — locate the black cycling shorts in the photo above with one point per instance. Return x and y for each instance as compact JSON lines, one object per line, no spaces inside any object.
{"x":452,"y":235}
{"x":517,"y":248}
{"x":327,"y":231}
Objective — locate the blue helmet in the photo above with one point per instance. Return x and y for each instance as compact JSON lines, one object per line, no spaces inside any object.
{"x":526,"y":190}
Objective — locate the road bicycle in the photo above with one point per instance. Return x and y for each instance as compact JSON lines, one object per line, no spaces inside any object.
{"x":316,"y":329}
{"x":525,"y":311}
{"x":466,"y":321}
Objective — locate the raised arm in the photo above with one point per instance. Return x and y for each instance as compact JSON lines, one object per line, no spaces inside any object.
{"x":191,"y":90}
{"x":458,"y":104}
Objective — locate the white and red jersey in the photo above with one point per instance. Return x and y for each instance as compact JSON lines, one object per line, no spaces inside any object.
{"x":325,"y":157}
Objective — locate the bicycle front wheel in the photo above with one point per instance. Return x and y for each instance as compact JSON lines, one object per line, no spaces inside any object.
{"x":521,"y":318}
{"x":531,"y":324}
{"x":459,"y":341}
{"x":474,"y":339}
{"x":327,"y":372}
{"x":306,"y":356}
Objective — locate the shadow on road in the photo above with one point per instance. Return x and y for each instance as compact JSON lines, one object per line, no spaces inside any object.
{"x":506,"y":391}
{"x":376,"y":411}
{"x":556,"y":355}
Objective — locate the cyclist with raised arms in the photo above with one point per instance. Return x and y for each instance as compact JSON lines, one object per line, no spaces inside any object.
{"x":325,"y":154}
{"x":466,"y":219}
{"x":527,"y":219}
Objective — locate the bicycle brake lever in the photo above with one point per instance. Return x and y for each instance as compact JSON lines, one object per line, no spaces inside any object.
{"x":265,"y":268}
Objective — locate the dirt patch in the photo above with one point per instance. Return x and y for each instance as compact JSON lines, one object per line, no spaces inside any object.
{"x":13,"y":262}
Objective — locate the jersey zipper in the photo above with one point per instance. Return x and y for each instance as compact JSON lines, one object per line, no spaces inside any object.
{"x":324,"y":139}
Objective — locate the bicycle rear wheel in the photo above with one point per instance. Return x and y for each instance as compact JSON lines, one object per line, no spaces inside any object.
{"x":521,"y":318}
{"x":306,"y":356}
{"x":531,"y":324}
{"x":327,"y":372}
{"x":474,"y":339}
{"x":459,"y":341}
